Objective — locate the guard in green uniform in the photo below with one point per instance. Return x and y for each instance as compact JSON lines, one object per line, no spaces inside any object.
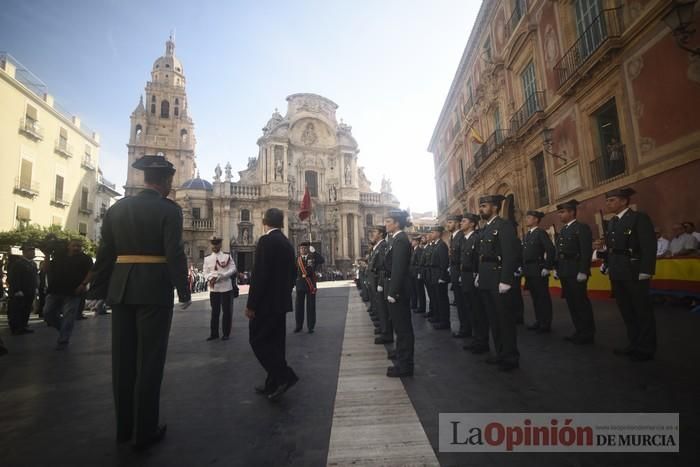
{"x":574,"y":253}
{"x":426,"y":276}
{"x":139,"y":263}
{"x":469,"y":266}
{"x":631,"y":262}
{"x":377,"y":282}
{"x":538,"y":261}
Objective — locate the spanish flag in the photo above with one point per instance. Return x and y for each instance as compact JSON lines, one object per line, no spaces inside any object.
{"x":475,"y":136}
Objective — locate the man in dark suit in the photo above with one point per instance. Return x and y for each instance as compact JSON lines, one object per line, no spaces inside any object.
{"x":574,"y":253}
{"x":396,"y":264}
{"x":22,"y":281}
{"x":631,"y":262}
{"x":469,"y":266}
{"x":538,"y":261}
{"x":306,"y":264}
{"x":377,"y":283}
{"x":498,"y":256}
{"x":440,"y":278}
{"x":416,"y":270}
{"x":269,"y":299}
{"x":140,"y":261}
{"x":456,"y":238}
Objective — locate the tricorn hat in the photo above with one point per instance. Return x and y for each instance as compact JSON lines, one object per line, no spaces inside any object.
{"x":397,"y":214}
{"x":27,"y":246}
{"x":437,"y":228}
{"x":571,"y":204}
{"x":378,"y":228}
{"x":471,"y":216}
{"x":454,"y":217}
{"x":620,"y":193}
{"x":493,"y":199}
{"x":537,"y":214}
{"x":154,"y":163}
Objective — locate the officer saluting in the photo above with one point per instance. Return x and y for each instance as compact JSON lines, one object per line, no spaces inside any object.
{"x":139,"y":262}
{"x":498,"y":257}
{"x":574,"y":252}
{"x":306,"y":288}
{"x":538,"y":260}
{"x":631,"y":261}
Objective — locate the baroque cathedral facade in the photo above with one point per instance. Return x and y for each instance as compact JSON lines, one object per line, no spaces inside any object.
{"x":305,"y":148}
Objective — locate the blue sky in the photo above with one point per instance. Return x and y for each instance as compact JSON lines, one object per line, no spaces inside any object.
{"x":388,"y":64}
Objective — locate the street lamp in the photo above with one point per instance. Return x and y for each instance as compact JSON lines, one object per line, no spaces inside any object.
{"x":547,"y":143}
{"x":680,"y":21}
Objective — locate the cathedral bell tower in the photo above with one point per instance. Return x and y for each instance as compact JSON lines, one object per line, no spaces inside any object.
{"x":161,"y":124}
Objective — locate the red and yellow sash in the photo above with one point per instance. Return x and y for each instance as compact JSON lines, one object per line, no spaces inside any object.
{"x":309,"y":283}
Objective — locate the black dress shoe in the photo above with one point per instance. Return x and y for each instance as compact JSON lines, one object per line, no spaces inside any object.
{"x":624,"y":351}
{"x":297,"y":329}
{"x":225,"y":338}
{"x":640,"y":356}
{"x":460,"y":335}
{"x":263,"y":390}
{"x":533,"y":327}
{"x":508,"y":366}
{"x":311,"y":331}
{"x":441,"y":326}
{"x":383,"y":340}
{"x":155,"y":438}
{"x":583,"y":340}
{"x":543,"y":330}
{"x":282,"y":388}
{"x":396,"y":372}
{"x":212,"y":338}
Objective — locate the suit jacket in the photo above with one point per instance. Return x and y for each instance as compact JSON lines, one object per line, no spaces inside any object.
{"x":376,"y":270}
{"x":273,"y":276}
{"x":396,"y":262}
{"x":469,"y":259}
{"x":439,"y":262}
{"x":631,"y":246}
{"x":499,"y":253}
{"x":456,"y":257}
{"x":145,"y":224}
{"x":574,"y":250}
{"x":538,"y":253}
{"x":416,"y":258}
{"x":22,"y":276}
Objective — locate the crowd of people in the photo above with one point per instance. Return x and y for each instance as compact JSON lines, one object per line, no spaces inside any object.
{"x":484,"y":263}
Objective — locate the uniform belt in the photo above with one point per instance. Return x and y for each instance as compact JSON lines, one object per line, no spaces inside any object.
{"x":567,"y":256}
{"x":490,"y":259}
{"x":621,"y":252}
{"x":141,"y":259}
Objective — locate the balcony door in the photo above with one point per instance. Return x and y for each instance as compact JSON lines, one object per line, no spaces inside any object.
{"x":589,"y":25}
{"x":529,"y":88}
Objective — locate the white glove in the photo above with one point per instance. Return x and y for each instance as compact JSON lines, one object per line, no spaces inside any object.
{"x":603,"y":269}
{"x":312,"y":249}
{"x":460,"y":279}
{"x":380,"y":288}
{"x":418,"y":276}
{"x":19,"y":294}
{"x":518,"y":272}
{"x":391,"y":299}
{"x":476,"y":281}
{"x":185,"y":305}
{"x":644,"y":276}
{"x":555,"y":275}
{"x":503,"y":288}
{"x":544,"y":272}
{"x":440,"y":281}
{"x":581,"y":277}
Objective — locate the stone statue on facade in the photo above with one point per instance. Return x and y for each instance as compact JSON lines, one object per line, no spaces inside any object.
{"x":386,"y":185}
{"x":348,"y":175}
{"x":333,"y":194}
{"x":309,"y":136}
{"x":291,"y":186}
{"x":217,"y":173}
{"x":228,"y":172}
{"x":279,"y":169}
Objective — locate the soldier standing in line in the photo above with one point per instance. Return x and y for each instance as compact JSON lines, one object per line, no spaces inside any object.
{"x":140,"y":262}
{"x":417,"y":262}
{"x":498,"y":256}
{"x":377,"y":283}
{"x":631,"y":262}
{"x":574,"y":253}
{"x":415,"y":243}
{"x":426,"y":276}
{"x":469,"y":266}
{"x":538,"y":261}
{"x":453,"y":226}
{"x":440,"y":278}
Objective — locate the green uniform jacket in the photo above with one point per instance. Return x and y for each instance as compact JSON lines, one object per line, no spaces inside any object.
{"x":538,"y":253}
{"x":426,"y":259}
{"x":375,"y":265}
{"x":574,"y":250}
{"x":396,"y":262}
{"x":499,"y":254}
{"x":145,"y":224}
{"x":631,"y":246}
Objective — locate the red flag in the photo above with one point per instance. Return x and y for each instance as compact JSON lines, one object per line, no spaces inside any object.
{"x":305,"y":210}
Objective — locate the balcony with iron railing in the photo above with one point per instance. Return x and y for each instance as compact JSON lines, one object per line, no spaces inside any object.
{"x":468,"y":107}
{"x":85,"y":209}
{"x":87,"y":163}
{"x":370,"y":198}
{"x":62,"y":148}
{"x":57,"y":200}
{"x":202,"y":224}
{"x":458,"y":188}
{"x":245,"y":191}
{"x":491,"y":145}
{"x":519,"y":10}
{"x":31,"y":128}
{"x":610,"y":166}
{"x":26,"y":187}
{"x":534,"y":103}
{"x":601,"y":34}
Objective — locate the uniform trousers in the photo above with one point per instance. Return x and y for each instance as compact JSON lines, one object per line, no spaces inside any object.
{"x":633,"y":300}
{"x":541,"y":300}
{"x":502,"y":321}
{"x":576,"y":295}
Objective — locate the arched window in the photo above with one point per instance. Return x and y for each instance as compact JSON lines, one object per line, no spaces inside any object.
{"x":167,"y":65}
{"x":165,"y":109}
{"x":177,"y":101}
{"x":369,"y":220}
{"x":138,"y":131}
{"x":176,"y":111}
{"x":311,"y":179}
{"x":245,"y":215}
{"x":153,"y":105}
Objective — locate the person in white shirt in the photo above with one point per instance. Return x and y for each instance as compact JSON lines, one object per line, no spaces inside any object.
{"x":662,"y":245}
{"x":219,"y":267}
{"x":690,"y":230}
{"x":682,"y":243}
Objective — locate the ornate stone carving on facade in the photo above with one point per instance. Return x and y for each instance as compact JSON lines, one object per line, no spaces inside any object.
{"x":228,"y":172}
{"x":333,"y":194}
{"x":292,"y":186}
{"x":551,"y":46}
{"x":635,"y":66}
{"x":386,"y":185}
{"x":252,"y":162}
{"x":217,"y":173}
{"x":347,"y":171}
{"x":309,"y":136}
{"x":279,"y":163}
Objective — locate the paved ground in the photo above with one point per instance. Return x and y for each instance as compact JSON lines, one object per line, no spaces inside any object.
{"x":56,"y":408}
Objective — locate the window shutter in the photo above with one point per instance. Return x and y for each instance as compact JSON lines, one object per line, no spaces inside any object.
{"x":31,"y":112}
{"x":59,"y":188}
{"x":26,"y":174}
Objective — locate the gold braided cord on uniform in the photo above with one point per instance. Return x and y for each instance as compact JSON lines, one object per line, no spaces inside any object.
{"x":141,"y":259}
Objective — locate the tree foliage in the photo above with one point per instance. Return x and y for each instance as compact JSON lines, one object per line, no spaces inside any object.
{"x":37,"y":235}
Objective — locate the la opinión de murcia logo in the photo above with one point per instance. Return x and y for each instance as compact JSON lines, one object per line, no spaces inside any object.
{"x":559,"y":432}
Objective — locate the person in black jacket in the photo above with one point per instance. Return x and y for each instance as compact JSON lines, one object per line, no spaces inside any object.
{"x":456,"y":238}
{"x":140,"y":261}
{"x":538,"y":261}
{"x":396,"y":264}
{"x":631,"y":263}
{"x":469,"y":266}
{"x":376,"y":278}
{"x":416,"y":269}
{"x":574,"y":253}
{"x":498,"y":257}
{"x":306,"y":264}
{"x":440,"y":278}
{"x":22,"y":281}
{"x":269,"y":299}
